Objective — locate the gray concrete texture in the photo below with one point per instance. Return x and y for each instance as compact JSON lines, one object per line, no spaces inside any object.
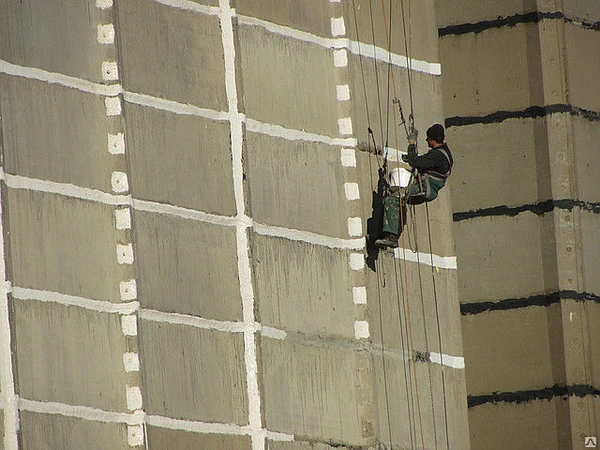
{"x":48,"y":431}
{"x":582,"y":50}
{"x":167,"y":439}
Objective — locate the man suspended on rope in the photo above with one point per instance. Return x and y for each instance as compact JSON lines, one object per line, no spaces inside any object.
{"x":433,"y":168}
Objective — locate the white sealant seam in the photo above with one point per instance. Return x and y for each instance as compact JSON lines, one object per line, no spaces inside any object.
{"x":173,"y":106}
{"x":106,"y":33}
{"x":244,"y":269}
{"x":440,"y":262}
{"x":116,"y":144}
{"x":131,"y":362}
{"x":345,"y":126}
{"x":355,"y":226}
{"x":7,"y":382}
{"x":361,"y":329}
{"x":352,"y":192}
{"x":123,"y":218}
{"x":456,"y":362}
{"x":348,"y":157}
{"x":359,"y":295}
{"x":340,"y":58}
{"x":110,"y":71}
{"x":113,"y":106}
{"x":190,"y":6}
{"x":357,"y":261}
{"x":338,"y":27}
{"x":197,"y":322}
{"x":311,"y":238}
{"x":104,"y":4}
{"x":356,"y":48}
{"x":342,"y":92}
{"x":296,"y":135}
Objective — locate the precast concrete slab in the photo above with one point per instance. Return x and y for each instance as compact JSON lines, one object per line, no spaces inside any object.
{"x":171,"y":53}
{"x":307,"y":445}
{"x":54,"y":431}
{"x":500,"y":164}
{"x":592,"y":311}
{"x":64,"y":245}
{"x":291,"y":185}
{"x":508,"y":351}
{"x":590,"y":249}
{"x":401,"y":312}
{"x":382,"y":24}
{"x":187,"y":266}
{"x":33,"y":34}
{"x":194,"y":374}
{"x":65,"y":139}
{"x":588,"y":10}
{"x":278,"y":89}
{"x":460,"y":12}
{"x":585,"y":133}
{"x":190,"y":156}
{"x":536,"y":425}
{"x":492,"y":250}
{"x":582,"y":51}
{"x":315,"y":389}
{"x":492,"y":71}
{"x":167,"y":439}
{"x":70,"y":355}
{"x":372,"y":103}
{"x":311,"y":16}
{"x":2,"y":429}
{"x":303,"y":287}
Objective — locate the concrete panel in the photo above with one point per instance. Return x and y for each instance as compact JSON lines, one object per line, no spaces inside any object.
{"x":303,"y":287}
{"x":44,"y":431}
{"x":65,"y":352}
{"x":187,"y":267}
{"x":277,"y":87}
{"x":590,"y":249}
{"x":313,"y":16}
{"x":64,"y":245}
{"x":492,"y":250}
{"x":588,"y":10}
{"x":515,"y":154}
{"x":190,"y":155}
{"x":194,"y":374}
{"x":166,"y":439}
{"x":38,"y":33}
{"x":292,"y":185}
{"x":158,"y":41}
{"x":381,"y":114}
{"x":532,"y":425}
{"x":509,"y":351}
{"x":585,"y":133}
{"x":496,"y":70}
{"x":457,"y":12}
{"x":2,"y":429}
{"x":582,"y":52}
{"x":373,"y":18}
{"x":389,"y":305}
{"x":65,"y":139}
{"x":313,"y":389}
{"x":593,"y":314}
{"x":271,"y":445}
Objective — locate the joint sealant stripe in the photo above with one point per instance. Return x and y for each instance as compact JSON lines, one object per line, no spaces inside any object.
{"x":441,"y":262}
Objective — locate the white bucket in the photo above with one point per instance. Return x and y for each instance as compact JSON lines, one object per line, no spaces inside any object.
{"x":399,"y":177}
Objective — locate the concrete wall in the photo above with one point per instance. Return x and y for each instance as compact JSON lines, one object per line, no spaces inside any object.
{"x":183,"y":212}
{"x":523,"y":114}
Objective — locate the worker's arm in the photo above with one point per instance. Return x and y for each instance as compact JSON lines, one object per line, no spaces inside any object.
{"x":426,"y":161}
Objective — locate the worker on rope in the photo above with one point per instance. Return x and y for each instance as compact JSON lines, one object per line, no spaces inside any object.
{"x":433,"y":169}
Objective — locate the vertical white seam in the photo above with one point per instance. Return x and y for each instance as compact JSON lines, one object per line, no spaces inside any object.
{"x":11,"y":418}
{"x":244,"y":269}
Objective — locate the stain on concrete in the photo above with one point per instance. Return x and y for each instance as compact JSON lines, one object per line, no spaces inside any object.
{"x":578,"y":390}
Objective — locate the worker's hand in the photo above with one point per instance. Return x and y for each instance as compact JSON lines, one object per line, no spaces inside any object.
{"x":412,"y":150}
{"x":404,"y":158}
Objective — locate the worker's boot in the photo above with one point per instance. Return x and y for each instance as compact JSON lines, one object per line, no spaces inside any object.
{"x":388,"y":240}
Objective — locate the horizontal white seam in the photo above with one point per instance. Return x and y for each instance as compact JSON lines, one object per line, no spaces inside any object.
{"x":197,"y":322}
{"x":191,"y":6}
{"x":456,"y":362}
{"x":174,"y":106}
{"x":71,"y":300}
{"x":296,"y":135}
{"x":68,"y":190}
{"x":81,"y":84}
{"x":355,"y":47}
{"x":441,"y":262}
{"x":81,"y":412}
{"x":185,"y":213}
{"x":309,"y":237}
{"x":139,"y":417}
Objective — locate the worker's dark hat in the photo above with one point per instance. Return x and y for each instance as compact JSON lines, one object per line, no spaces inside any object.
{"x":436,"y":132}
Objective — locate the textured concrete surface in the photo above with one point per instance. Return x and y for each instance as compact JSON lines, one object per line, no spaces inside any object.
{"x":584,"y":134}
{"x":290,"y":185}
{"x":172,"y":279}
{"x":303,"y":288}
{"x":277,"y":87}
{"x":157,"y":40}
{"x":68,"y":349}
{"x":45,"y":431}
{"x":176,"y":159}
{"x":69,"y":145}
{"x":166,"y":439}
{"x":582,"y":51}
{"x":194,"y":374}
{"x":590,"y":246}
{"x":458,"y":12}
{"x":64,"y":245}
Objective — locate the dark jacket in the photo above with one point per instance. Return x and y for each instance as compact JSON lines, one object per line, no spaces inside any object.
{"x":434,"y":162}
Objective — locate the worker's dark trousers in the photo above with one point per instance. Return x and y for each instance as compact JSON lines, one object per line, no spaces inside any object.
{"x":391,"y":215}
